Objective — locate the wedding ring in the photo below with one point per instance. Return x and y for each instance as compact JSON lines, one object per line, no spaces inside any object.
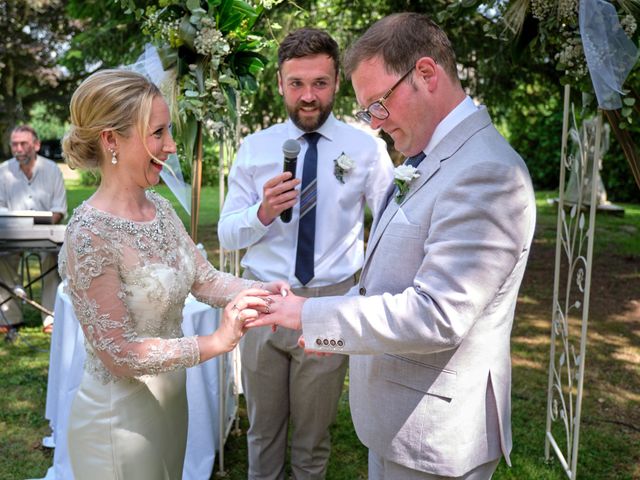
{"x":268,"y":308}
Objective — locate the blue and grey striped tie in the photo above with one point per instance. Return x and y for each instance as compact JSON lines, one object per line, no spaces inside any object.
{"x":307,"y":224}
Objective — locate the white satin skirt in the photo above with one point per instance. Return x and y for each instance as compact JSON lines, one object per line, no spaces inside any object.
{"x":129,"y":430}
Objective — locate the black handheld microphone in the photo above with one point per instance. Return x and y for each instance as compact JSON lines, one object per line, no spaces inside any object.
{"x":291,"y":149}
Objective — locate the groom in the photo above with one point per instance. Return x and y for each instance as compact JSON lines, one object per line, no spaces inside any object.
{"x":428,"y":327}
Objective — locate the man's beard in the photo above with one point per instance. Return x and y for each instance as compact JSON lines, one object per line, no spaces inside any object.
{"x":24,"y":159}
{"x":310,"y":124}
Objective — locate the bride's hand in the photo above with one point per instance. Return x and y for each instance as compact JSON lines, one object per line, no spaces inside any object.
{"x":246,"y":306}
{"x":284,"y":311}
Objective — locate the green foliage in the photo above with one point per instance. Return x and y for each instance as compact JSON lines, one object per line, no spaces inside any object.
{"x":46,"y":126}
{"x":213,"y":50}
{"x":497,"y":63}
{"x":108,"y":37}
{"x":533,"y":123}
{"x":609,"y":443}
{"x":34,"y":34}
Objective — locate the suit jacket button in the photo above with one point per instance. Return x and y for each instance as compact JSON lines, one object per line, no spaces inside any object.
{"x":340,"y":343}
{"x":318,"y":341}
{"x":363,"y":291}
{"x":333,"y":343}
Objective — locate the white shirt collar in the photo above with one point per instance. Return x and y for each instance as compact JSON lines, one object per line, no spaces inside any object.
{"x":327,"y":129}
{"x":465,"y":108}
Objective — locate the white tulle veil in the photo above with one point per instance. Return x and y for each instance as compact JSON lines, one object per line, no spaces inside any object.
{"x":609,"y":52}
{"x":149,"y":65}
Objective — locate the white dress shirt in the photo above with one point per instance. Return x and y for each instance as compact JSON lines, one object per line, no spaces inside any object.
{"x":339,"y":242}
{"x":44,"y":191}
{"x":465,"y":108}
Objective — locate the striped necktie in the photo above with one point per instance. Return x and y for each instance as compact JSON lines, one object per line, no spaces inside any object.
{"x":307,"y":224}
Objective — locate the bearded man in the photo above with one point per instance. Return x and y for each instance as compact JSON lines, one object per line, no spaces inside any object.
{"x":29,"y":181}
{"x":319,"y":251}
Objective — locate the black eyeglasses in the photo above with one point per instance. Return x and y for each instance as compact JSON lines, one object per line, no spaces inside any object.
{"x":377,"y":108}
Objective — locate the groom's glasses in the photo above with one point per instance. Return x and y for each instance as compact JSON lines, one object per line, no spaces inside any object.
{"x":377,"y":108}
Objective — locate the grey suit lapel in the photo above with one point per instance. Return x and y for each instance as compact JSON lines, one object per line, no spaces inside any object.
{"x":447,"y":147}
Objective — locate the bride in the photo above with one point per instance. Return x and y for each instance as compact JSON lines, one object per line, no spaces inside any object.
{"x":129,"y":265}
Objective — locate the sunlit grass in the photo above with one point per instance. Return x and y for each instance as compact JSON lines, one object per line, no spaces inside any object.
{"x":610,"y":430}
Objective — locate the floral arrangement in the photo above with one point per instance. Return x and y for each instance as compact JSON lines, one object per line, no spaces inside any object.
{"x":342,"y":166}
{"x":213,"y":49}
{"x":403,"y":175}
{"x":559,"y":33}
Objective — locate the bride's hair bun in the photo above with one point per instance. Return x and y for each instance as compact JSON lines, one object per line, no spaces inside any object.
{"x":81,"y":151}
{"x":108,"y":100}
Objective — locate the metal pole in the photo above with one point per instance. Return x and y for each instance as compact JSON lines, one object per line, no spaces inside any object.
{"x":196,"y":180}
{"x":587,"y":292}
{"x":556,"y":277}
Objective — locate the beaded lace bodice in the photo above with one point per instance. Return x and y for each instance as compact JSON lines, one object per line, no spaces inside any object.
{"x":128,"y":282}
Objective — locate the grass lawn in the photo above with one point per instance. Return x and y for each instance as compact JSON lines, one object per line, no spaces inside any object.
{"x":610,"y":431}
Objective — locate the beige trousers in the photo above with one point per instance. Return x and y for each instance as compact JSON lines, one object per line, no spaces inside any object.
{"x":284,"y":387}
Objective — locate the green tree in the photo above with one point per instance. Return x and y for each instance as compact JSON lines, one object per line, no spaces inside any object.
{"x":35,"y":34}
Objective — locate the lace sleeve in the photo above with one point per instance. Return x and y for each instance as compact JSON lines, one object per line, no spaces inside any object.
{"x":94,"y":285}
{"x":210,"y":285}
{"x":214,"y":287}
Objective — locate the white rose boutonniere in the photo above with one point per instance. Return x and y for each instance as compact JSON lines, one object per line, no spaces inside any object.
{"x":342,"y":166}
{"x":403,"y":175}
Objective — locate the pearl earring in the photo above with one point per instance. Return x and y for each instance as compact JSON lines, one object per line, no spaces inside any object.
{"x":114,"y":158}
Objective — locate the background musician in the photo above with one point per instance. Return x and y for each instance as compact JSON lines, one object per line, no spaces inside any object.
{"x":29,"y":181}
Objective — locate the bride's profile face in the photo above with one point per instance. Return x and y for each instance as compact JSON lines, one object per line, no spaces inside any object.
{"x":139,"y":155}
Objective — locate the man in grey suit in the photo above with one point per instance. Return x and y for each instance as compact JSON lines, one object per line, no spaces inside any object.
{"x":428,"y":326}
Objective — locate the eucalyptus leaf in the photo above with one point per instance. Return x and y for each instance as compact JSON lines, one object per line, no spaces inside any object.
{"x":168,"y":56}
{"x":188,"y":137}
{"x":195,"y":18}
{"x":193,"y":5}
{"x":187,"y":32}
{"x":199,"y":73}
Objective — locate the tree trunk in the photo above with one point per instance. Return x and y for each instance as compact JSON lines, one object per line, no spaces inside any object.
{"x":629,"y":147}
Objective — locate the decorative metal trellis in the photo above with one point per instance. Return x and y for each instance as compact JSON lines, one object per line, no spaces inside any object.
{"x":571,"y":287}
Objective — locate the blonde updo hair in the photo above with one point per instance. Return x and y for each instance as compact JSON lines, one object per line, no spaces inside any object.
{"x":115,"y":100}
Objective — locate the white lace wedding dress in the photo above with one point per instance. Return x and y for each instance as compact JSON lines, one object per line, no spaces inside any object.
{"x":128,"y":282}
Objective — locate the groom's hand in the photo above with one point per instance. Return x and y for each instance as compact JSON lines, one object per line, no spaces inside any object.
{"x":284,"y":311}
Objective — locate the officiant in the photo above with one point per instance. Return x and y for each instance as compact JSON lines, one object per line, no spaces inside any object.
{"x":339,"y":170}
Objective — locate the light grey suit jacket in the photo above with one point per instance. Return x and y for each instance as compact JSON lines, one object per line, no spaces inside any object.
{"x":428,"y":327}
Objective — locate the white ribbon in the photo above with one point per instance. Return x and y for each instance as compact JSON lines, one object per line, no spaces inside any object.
{"x":149,"y":65}
{"x":609,"y":52}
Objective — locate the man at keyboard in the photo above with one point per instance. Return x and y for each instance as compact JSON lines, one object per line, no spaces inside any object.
{"x":29,"y":182}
